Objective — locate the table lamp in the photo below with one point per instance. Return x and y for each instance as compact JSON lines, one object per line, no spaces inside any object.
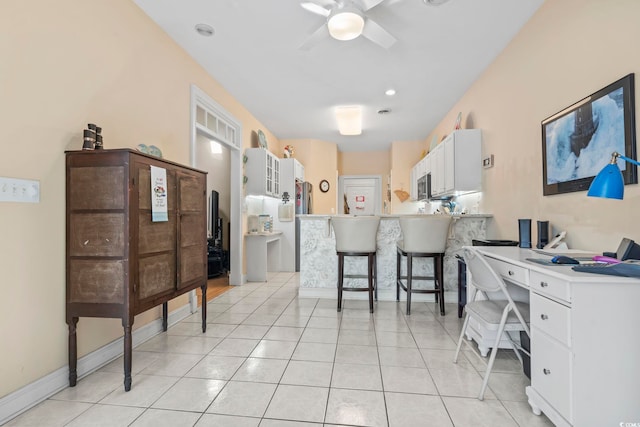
{"x":609,"y":182}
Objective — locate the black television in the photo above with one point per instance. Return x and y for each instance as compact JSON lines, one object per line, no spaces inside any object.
{"x":214,"y":213}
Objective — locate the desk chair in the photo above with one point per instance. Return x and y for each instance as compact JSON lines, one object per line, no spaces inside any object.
{"x":500,"y":313}
{"x":423,"y":236}
{"x":356,"y":237}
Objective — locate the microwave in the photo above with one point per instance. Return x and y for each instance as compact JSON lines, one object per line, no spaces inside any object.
{"x":423,"y":187}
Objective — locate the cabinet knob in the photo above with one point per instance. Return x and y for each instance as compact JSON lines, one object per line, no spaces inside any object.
{"x":544,"y":284}
{"x":511,"y":273}
{"x":544,"y":316}
{"x":546,"y":371}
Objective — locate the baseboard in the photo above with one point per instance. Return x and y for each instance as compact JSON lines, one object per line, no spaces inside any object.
{"x":30,"y":395}
{"x":383,"y":295}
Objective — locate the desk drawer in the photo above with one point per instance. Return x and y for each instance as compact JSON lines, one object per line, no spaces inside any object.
{"x":551,"y":317}
{"x":551,"y":372}
{"x":510,"y":272}
{"x":550,"y":286}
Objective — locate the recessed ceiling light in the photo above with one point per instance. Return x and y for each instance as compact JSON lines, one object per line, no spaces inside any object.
{"x":204,"y":30}
{"x":390,"y":92}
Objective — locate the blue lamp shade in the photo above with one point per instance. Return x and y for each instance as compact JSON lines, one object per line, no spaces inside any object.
{"x":608,"y":183}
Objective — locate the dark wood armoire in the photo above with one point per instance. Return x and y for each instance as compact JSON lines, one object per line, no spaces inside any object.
{"x":119,"y":262}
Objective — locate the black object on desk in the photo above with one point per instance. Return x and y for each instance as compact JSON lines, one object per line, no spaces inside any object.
{"x":628,"y":249}
{"x":563,"y":259}
{"x":629,"y":268}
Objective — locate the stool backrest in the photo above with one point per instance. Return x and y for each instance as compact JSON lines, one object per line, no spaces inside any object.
{"x":355,"y":233}
{"x":425,"y":233}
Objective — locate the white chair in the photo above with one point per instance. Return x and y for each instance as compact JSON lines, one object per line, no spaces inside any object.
{"x":497,"y":311}
{"x":423,"y":236}
{"x":356,"y":236}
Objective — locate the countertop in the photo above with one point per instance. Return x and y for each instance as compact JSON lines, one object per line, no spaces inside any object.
{"x":273,"y":233}
{"x":388,"y":216}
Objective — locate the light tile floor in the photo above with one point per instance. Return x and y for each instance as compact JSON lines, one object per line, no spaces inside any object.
{"x":271,"y":359}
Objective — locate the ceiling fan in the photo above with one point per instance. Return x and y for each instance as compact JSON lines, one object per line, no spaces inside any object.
{"x":347,"y":20}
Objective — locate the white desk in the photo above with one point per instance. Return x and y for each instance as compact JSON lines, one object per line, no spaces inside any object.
{"x":585,"y":340}
{"x":263,"y":255}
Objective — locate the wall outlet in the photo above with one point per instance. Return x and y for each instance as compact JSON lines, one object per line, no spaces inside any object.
{"x":19,"y":190}
{"x":487,"y":162}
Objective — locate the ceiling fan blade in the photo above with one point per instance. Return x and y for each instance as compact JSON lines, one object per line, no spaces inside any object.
{"x":369,"y":4}
{"x":315,"y":37}
{"x":316,"y":8}
{"x":377,"y":34}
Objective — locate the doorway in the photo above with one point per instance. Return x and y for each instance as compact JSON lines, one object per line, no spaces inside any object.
{"x":211,"y":122}
{"x":360,"y":194}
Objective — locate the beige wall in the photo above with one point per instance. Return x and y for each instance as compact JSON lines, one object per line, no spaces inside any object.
{"x":568,"y":50}
{"x":320,"y":160}
{"x":404,"y":155}
{"x":71,"y":63}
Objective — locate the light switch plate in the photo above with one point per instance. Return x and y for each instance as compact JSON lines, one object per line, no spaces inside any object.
{"x":487,"y":162}
{"x":19,"y":190}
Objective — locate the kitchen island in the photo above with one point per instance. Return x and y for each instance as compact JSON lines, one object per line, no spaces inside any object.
{"x":319,"y":262}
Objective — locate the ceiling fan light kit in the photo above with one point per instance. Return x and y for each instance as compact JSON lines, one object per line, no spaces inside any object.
{"x":347,"y":20}
{"x":345,"y":24}
{"x":434,"y":2}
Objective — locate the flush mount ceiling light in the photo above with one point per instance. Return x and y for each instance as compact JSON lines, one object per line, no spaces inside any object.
{"x":204,"y":30}
{"x":349,"y":120}
{"x":345,"y":23}
{"x":390,"y":92}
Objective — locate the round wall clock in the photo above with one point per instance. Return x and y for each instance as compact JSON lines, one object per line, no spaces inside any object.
{"x":324,"y":185}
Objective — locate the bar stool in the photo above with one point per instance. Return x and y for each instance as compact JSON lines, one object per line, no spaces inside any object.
{"x":356,"y":237}
{"x":424,"y":236}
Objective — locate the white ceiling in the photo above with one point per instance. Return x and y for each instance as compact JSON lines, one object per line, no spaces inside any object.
{"x":255,"y":55}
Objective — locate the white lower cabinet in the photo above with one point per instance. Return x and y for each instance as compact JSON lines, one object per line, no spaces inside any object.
{"x":584,"y":350}
{"x":551,"y":371}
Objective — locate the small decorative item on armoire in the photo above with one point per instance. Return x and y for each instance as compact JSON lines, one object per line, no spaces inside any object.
{"x":92,"y":137}
{"x":89,"y":139}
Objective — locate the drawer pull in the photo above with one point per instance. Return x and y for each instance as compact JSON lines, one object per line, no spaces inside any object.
{"x":546,"y":371}
{"x":511,"y":273}
{"x":544,"y":316}
{"x":544,"y":284}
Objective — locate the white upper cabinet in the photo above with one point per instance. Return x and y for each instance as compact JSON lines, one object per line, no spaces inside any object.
{"x":458,"y":162}
{"x":455,"y":165}
{"x":262,"y":170}
{"x":438,"y":170}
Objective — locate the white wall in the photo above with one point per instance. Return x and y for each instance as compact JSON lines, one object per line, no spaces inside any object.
{"x":218,"y":166}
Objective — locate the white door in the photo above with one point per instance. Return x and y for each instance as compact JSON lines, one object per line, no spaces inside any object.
{"x":360,"y":195}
